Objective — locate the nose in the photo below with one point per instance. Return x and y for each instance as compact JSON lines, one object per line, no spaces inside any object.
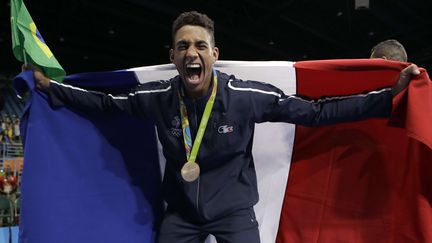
{"x":191,"y":52}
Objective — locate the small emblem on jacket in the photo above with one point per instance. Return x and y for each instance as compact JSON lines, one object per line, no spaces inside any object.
{"x":176,"y":129}
{"x":225,"y":129}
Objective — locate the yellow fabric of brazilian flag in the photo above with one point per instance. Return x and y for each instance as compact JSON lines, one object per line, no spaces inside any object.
{"x":26,"y":40}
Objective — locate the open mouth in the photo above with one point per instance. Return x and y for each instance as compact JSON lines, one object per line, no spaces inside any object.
{"x":193,"y":71}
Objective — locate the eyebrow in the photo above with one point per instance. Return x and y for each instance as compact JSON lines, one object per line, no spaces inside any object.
{"x":200,"y":42}
{"x":184,"y":42}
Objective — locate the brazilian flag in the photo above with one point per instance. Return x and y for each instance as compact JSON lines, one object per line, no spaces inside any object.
{"x":26,"y":40}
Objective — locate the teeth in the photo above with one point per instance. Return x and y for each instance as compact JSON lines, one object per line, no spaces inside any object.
{"x":193,"y":65}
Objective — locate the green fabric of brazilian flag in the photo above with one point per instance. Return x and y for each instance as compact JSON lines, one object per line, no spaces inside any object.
{"x":26,"y":40}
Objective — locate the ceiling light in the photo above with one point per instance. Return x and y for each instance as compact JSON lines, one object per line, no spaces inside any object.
{"x":361,"y":4}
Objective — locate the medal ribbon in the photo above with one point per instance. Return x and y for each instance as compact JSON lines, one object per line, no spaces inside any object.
{"x":192,"y":149}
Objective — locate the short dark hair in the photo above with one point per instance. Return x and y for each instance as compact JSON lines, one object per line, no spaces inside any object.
{"x":391,"y":49}
{"x":194,"y":18}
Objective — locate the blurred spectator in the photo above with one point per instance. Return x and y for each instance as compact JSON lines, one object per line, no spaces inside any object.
{"x":16,"y":130}
{"x":9,"y":131}
{"x":390,"y":50}
{"x":3,"y":124}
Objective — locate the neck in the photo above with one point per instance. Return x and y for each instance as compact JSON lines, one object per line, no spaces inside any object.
{"x":192,"y":94}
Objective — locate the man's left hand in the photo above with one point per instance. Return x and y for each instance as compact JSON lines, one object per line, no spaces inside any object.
{"x":404,"y":78}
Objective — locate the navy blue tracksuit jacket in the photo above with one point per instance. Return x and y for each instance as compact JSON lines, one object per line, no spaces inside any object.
{"x":228,"y":181}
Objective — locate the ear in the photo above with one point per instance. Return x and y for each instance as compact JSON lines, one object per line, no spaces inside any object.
{"x":216,"y":53}
{"x":171,"y":55}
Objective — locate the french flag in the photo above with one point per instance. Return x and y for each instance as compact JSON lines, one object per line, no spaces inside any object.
{"x":96,"y":177}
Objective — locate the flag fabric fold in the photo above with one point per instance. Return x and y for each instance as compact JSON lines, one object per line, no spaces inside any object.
{"x":88,"y":177}
{"x":409,"y":110}
{"x":95,"y":177}
{"x":363,"y":181}
{"x":28,"y":44}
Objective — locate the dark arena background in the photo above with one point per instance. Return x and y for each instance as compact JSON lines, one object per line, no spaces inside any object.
{"x":96,"y":35}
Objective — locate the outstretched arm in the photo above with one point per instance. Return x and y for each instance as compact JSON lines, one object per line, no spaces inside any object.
{"x":293,"y":109}
{"x":86,"y":100}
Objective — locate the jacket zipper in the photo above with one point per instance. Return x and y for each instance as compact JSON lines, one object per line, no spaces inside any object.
{"x":198,"y":182}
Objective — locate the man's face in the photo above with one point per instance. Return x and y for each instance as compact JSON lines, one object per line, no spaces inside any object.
{"x":194,"y":56}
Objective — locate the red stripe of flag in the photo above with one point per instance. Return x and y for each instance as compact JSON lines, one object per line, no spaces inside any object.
{"x":362,"y":181}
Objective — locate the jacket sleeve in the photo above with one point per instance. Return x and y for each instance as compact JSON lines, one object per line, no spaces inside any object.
{"x":273,"y":105}
{"x":136,"y":102}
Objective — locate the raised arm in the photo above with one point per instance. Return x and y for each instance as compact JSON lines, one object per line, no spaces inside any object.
{"x":136,"y":102}
{"x":273,"y":105}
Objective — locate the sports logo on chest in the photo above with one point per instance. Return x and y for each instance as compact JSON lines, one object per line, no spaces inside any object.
{"x":225,"y":129}
{"x":175,"y":128}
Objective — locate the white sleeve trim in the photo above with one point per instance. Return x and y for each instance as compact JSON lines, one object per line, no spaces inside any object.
{"x":114,"y":97}
{"x":253,"y":90}
{"x":299,"y":98}
{"x":342,"y":97}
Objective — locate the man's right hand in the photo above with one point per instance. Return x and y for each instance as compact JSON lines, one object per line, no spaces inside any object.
{"x":42,"y":82}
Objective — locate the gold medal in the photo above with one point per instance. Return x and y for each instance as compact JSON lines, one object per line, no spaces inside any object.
{"x":190,"y":171}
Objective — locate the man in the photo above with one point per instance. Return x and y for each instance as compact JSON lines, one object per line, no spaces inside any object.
{"x":390,"y":50}
{"x":214,"y":191}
